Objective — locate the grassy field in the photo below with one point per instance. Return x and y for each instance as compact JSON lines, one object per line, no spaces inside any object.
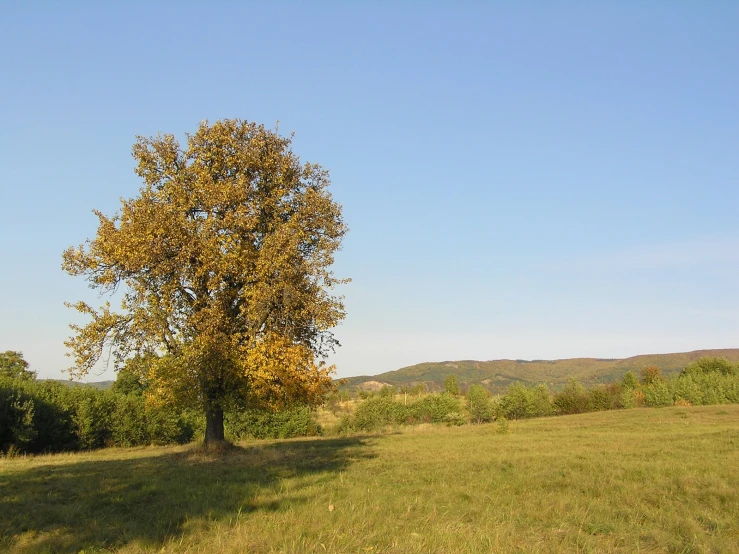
{"x":645,"y":480}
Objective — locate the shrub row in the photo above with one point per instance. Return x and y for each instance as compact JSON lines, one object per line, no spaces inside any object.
{"x":253,"y":424}
{"x":706,"y":381}
{"x":381,"y":411}
{"x":42,"y":416}
{"x":694,"y":389}
{"x":52,"y":417}
{"x":47,"y":416}
{"x":690,"y":388}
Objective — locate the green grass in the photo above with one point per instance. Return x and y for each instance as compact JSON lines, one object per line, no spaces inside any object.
{"x":647,"y":480}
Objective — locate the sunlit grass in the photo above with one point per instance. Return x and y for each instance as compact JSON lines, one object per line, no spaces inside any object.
{"x":650,"y":480}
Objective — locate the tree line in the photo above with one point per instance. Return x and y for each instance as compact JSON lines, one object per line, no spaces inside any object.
{"x":709,"y":380}
{"x":49,"y":416}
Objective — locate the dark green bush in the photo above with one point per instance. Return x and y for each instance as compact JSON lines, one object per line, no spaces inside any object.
{"x":296,"y":422}
{"x":38,"y":417}
{"x":16,"y":418}
{"x":129,"y":422}
{"x":377,"y":412}
{"x":54,"y":416}
{"x":93,"y":418}
{"x":127,"y":382}
{"x":30,"y":419}
{"x":166,"y":425}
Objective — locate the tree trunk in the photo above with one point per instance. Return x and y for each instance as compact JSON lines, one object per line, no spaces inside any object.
{"x":214,"y":424}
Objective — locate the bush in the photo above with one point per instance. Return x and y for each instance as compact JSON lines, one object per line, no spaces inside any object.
{"x":605,"y":397}
{"x":38,"y":417}
{"x":454,"y":419}
{"x":30,"y":419}
{"x":93,"y":418}
{"x":129,"y":425}
{"x":541,"y":402}
{"x":387,"y":391}
{"x":258,"y":424}
{"x":378,"y":412}
{"x":573,"y":399}
{"x":687,"y":389}
{"x":651,"y":375}
{"x":708,"y":365}
{"x":520,"y":402}
{"x":627,"y":398}
{"x":165,"y":425}
{"x":629,"y":380}
{"x":479,"y":405}
{"x":707,"y":388}
{"x":450,"y":385}
{"x":127,"y":382}
{"x":434,"y":407}
{"x":657,"y":394}
{"x":515,"y":403}
{"x":16,"y":420}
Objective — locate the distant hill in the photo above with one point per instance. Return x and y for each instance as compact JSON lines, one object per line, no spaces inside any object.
{"x":496,"y":375}
{"x":101,"y":385}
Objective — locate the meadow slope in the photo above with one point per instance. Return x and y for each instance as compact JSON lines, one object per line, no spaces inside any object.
{"x":641,"y":480}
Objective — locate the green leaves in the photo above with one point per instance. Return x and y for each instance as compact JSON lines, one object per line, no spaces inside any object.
{"x":14,"y":366}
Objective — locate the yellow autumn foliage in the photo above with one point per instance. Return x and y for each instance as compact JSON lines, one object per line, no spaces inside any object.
{"x":224,"y":263}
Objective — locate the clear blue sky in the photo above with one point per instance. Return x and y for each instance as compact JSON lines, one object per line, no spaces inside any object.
{"x":521,"y":179}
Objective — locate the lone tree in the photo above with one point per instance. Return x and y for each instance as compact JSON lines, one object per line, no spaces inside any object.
{"x":224,"y":261}
{"x":13,"y":365}
{"x":479,"y":405}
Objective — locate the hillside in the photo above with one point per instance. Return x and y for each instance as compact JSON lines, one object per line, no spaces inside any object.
{"x":496,"y":375}
{"x":101,"y":385}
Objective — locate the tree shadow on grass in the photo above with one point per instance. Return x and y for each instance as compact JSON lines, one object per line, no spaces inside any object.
{"x":147,"y":499}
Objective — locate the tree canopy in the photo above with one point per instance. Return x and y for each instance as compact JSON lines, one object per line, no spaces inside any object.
{"x":478,"y":404}
{"x":711,"y":364}
{"x":450,"y":384}
{"x":224,"y":262}
{"x":14,"y":366}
